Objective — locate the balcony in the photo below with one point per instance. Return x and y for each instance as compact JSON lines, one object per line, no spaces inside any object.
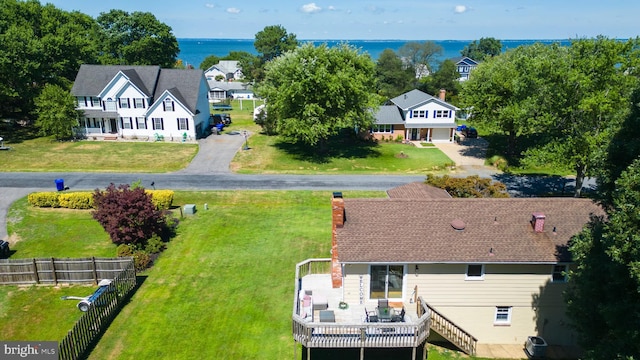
{"x":326,"y":324}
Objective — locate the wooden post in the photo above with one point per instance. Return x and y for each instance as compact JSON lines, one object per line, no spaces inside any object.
{"x":35,"y":271}
{"x":55,"y":275}
{"x":95,"y":272}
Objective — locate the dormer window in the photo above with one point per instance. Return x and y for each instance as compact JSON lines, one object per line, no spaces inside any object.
{"x":168,"y":104}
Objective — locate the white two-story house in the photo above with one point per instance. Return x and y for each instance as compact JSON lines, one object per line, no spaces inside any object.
{"x":416,"y":116}
{"x":141,"y":102}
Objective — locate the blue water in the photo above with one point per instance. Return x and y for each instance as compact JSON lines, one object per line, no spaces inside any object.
{"x":193,"y":51}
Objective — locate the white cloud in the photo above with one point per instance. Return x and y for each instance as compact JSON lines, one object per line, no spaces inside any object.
{"x":210,"y":6}
{"x":459,"y":9}
{"x":310,"y":8}
{"x":332,"y":8}
{"x":233,"y":10}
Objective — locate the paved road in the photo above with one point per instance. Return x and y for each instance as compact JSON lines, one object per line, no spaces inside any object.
{"x":209,"y":170}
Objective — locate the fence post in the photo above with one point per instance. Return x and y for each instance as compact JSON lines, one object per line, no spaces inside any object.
{"x":35,"y":271}
{"x":55,"y":275}
{"x":95,"y":271}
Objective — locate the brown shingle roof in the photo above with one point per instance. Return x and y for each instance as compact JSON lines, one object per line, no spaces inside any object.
{"x":417,"y":190}
{"x":420,"y":231}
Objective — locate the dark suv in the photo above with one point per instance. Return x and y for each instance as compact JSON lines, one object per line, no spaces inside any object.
{"x":221,"y":118}
{"x":471,"y":132}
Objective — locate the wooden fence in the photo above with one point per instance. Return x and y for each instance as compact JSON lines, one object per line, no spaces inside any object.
{"x":87,"y":330}
{"x":54,"y":271}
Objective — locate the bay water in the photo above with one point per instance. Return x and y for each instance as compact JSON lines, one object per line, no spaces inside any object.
{"x":194,"y":51}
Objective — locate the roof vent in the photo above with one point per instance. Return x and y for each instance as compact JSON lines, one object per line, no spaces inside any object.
{"x":457,"y":224}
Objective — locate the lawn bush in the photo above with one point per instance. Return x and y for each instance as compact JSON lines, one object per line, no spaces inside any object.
{"x":44,"y":199}
{"x":162,"y":199}
{"x":141,"y":259}
{"x":76,"y":200}
{"x":124,"y":250}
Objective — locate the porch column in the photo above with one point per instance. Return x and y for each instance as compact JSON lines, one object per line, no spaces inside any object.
{"x":407,"y":136}
{"x":429,"y":135}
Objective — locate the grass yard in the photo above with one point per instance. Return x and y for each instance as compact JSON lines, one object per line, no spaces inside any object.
{"x":45,"y":154}
{"x":269,"y":155}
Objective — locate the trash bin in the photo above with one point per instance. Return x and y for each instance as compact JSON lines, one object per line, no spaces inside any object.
{"x":535,"y":346}
{"x":60,"y":184}
{"x":4,"y":249}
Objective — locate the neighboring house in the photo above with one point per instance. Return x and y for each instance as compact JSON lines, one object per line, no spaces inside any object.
{"x":229,"y":70}
{"x":416,"y":116}
{"x":485,"y":271}
{"x":464,"y":65}
{"x":221,"y":90}
{"x":143,"y":102}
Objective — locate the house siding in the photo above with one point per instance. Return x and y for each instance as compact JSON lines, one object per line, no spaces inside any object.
{"x":536,"y":302}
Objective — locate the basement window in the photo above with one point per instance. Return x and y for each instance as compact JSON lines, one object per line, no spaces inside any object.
{"x":503,"y":315}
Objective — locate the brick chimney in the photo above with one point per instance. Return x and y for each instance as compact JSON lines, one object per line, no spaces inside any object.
{"x":443,"y":94}
{"x":337,"y":221}
{"x":537,"y":221}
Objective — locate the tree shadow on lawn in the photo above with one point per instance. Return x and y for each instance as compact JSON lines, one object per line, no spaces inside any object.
{"x":340,"y":147}
{"x":13,"y":133}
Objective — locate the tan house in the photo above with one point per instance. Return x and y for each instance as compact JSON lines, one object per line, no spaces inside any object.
{"x":485,"y":271}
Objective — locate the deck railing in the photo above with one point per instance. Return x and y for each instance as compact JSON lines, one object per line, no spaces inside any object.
{"x":452,"y":332}
{"x":359,"y":335}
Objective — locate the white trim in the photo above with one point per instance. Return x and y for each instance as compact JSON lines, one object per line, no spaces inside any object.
{"x":502,"y":310}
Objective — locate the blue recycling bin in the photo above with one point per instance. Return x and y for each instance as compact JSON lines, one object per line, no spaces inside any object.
{"x":60,"y":184}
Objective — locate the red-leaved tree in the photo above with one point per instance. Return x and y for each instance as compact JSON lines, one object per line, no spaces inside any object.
{"x":127,"y":215}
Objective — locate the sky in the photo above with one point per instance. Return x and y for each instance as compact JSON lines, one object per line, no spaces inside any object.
{"x":384,"y":20}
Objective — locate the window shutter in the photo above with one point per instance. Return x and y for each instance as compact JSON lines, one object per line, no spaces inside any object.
{"x":153,"y":124}
{"x":128,"y":103}
{"x":410,"y":114}
{"x":137,"y":125}
{"x":178,"y":119}
{"x":164,"y":107}
{"x":392,"y":129}
{"x":161,"y":124}
{"x":122,"y":123}
{"x":434,"y":113}
{"x":187,"y":123}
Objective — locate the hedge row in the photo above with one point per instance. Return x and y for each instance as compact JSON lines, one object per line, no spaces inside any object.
{"x":162,"y":199}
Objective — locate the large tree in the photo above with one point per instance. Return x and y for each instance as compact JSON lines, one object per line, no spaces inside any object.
{"x":40,"y":45}
{"x":482,"y":49}
{"x":393,"y":75}
{"x":313,"y":92}
{"x":604,"y":294}
{"x":56,"y":110}
{"x":420,"y":55}
{"x":446,"y":77}
{"x":136,"y":38}
{"x":273,"y":41}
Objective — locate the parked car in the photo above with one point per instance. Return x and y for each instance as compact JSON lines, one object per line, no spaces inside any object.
{"x":221,"y":118}
{"x":471,"y":132}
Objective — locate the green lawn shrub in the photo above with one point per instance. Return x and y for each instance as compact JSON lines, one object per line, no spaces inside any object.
{"x":76,"y":200}
{"x":162,"y":199}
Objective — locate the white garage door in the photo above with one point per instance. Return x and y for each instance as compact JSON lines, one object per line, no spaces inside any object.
{"x":440,"y":135}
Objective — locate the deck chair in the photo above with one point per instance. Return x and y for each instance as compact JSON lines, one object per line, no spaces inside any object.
{"x":398,"y":316}
{"x":371,"y":316}
{"x":383,"y":303}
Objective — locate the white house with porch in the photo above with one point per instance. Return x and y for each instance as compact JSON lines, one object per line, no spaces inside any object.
{"x":416,"y":116}
{"x":141,"y":102}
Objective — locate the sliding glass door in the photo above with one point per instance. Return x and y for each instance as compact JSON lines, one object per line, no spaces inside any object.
{"x":386,"y":281}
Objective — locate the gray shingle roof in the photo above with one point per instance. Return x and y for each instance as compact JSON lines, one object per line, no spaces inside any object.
{"x":389,"y":114}
{"x":152,"y":80}
{"x":420,"y":231}
{"x":417,"y":190}
{"x":415,"y":98}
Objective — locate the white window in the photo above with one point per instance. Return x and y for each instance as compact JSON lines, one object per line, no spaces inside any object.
{"x":183,"y":124}
{"x":475,"y":272}
{"x":559,"y":273}
{"x":138,"y":103}
{"x":110,"y":105}
{"x":385,"y":128}
{"x":124,"y":103}
{"x":141,"y":122}
{"x":168,"y":104}
{"x":158,"y":124}
{"x":126,"y":122}
{"x":441,"y":114}
{"x":420,"y":114}
{"x":503,"y":315}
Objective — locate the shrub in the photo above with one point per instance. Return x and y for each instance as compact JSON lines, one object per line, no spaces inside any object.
{"x":44,"y":199}
{"x":469,"y":187}
{"x":161,"y":199}
{"x":399,"y":138}
{"x":76,"y":200}
{"x":127,"y":215}
{"x":155,"y":245}
{"x":141,"y":260}
{"x":124,"y":250}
